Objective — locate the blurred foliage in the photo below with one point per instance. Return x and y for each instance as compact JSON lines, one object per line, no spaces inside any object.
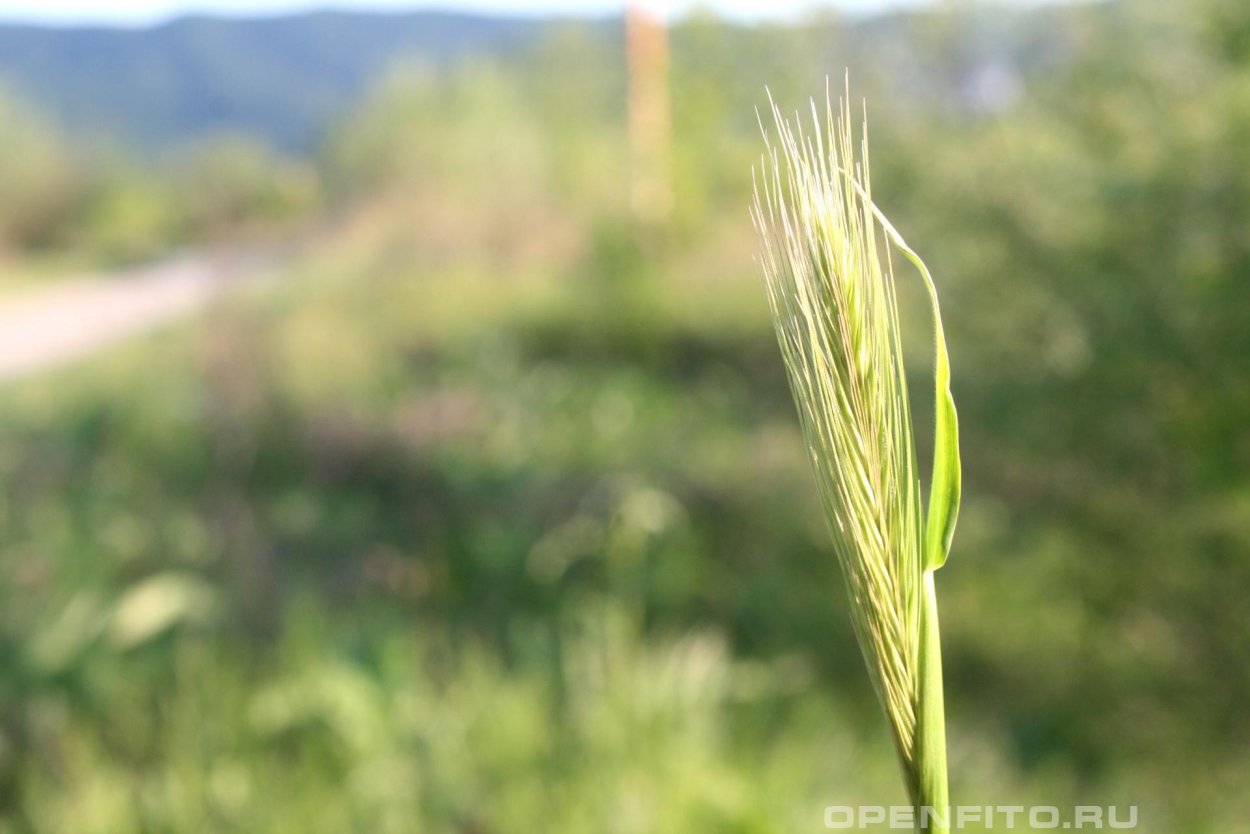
{"x":493,"y":518}
{"x":105,"y":207}
{"x":37,"y":181}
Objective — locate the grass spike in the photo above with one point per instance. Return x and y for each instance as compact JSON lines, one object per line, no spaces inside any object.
{"x":829,"y":275}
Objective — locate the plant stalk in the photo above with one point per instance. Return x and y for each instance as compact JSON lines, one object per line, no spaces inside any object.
{"x":932,"y":798}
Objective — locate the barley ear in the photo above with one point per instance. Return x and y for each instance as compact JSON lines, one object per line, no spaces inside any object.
{"x":828,"y":268}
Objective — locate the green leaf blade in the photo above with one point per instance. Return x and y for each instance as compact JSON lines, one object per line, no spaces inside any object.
{"x":946,"y":480}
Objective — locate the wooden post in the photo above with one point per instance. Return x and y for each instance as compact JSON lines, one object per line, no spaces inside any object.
{"x":651,"y":194}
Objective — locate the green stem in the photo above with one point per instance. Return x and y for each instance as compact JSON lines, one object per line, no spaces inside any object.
{"x":930,"y":766}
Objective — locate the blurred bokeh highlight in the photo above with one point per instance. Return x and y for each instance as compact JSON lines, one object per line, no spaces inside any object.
{"x":397,"y":440}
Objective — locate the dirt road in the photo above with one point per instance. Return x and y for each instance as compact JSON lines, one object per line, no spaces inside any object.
{"x":45,"y":327}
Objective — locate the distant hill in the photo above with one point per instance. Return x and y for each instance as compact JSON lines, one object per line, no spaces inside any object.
{"x":284,"y":78}
{"x":288,"y":78}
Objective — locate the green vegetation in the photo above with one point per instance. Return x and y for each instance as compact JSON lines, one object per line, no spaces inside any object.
{"x":490,"y":518}
{"x":88,"y":206}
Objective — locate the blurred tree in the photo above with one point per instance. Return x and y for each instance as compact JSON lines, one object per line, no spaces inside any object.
{"x":235,"y":186}
{"x":40,"y":183}
{"x":127,"y":215}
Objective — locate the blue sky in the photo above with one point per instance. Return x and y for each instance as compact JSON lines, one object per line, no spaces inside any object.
{"x":137,"y":12}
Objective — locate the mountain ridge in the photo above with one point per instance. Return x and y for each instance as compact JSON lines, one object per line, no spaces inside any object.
{"x":282,"y":77}
{"x":288,"y":78}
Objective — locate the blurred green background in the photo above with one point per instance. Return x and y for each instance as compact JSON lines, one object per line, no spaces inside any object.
{"x":487,"y":511}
